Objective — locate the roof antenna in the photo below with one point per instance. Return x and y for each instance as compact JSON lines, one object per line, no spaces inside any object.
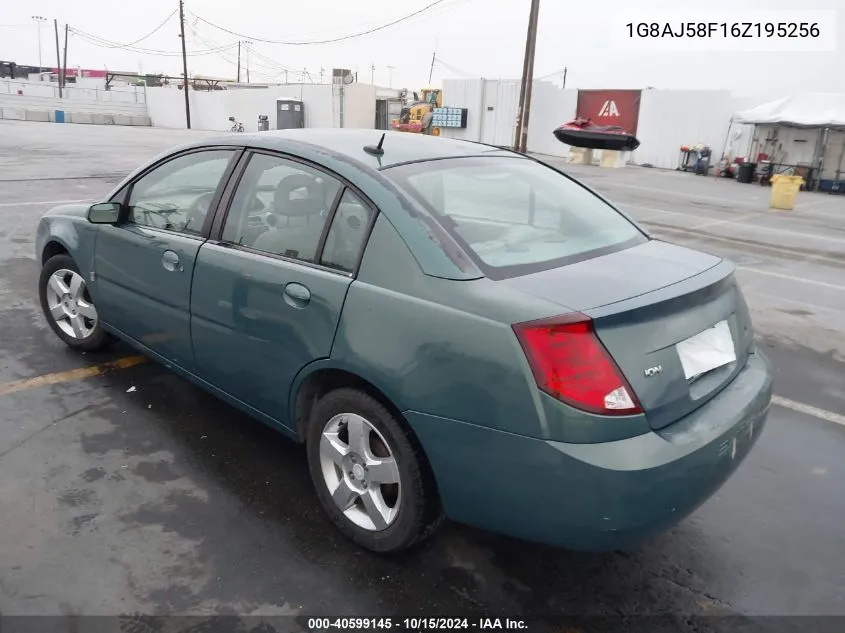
{"x":376,"y":150}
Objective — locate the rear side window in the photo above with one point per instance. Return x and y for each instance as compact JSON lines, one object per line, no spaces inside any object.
{"x":515,"y":216}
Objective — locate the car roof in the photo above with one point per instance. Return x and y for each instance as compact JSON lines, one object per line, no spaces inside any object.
{"x":399,"y":147}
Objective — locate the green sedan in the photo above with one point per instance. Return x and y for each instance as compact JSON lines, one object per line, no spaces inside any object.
{"x":451,"y":329}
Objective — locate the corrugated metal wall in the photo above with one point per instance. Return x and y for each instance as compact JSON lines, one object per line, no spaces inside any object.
{"x":667,"y":118}
{"x":550,"y":107}
{"x":671,"y":118}
{"x":492,"y":105}
{"x":464,"y":93}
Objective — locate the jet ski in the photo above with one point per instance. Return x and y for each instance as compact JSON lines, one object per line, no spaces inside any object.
{"x":582,"y":132}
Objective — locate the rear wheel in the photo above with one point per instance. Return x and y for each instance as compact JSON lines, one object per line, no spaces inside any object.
{"x":370,"y":476}
{"x":68,"y":307}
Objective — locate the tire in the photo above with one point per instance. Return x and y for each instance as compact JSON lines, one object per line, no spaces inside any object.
{"x":416,"y":510}
{"x":90,"y":337}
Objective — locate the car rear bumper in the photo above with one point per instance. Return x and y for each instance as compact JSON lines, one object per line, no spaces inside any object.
{"x":603,"y":496}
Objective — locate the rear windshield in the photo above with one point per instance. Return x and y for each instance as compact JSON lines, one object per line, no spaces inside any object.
{"x":515,"y":216}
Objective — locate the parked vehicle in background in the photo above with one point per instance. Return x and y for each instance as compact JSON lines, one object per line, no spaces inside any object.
{"x":451,"y":329}
{"x":237,"y":126}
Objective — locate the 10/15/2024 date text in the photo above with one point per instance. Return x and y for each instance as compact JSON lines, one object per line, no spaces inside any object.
{"x":415,"y":624}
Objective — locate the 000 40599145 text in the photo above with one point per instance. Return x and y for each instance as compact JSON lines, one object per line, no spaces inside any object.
{"x":415,"y":624}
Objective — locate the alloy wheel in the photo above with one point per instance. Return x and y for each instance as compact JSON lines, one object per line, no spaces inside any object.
{"x":360,"y":472}
{"x":70,"y":305}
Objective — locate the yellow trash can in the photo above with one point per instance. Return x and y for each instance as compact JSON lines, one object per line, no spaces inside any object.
{"x":785,"y":191}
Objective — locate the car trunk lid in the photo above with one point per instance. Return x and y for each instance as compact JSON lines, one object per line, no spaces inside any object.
{"x":643,"y":302}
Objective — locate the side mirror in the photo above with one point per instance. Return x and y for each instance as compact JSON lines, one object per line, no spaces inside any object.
{"x":104,"y":213}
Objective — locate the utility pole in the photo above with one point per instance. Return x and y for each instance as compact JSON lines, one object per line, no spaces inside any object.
{"x":564,"y":78}
{"x":246,"y":46}
{"x":239,"y":61}
{"x":64,"y":61}
{"x":58,"y":57}
{"x":433,"y":57}
{"x":372,"y":74}
{"x":38,"y":20}
{"x":184,"y":65}
{"x":390,"y":76}
{"x":529,"y":82}
{"x":521,"y":136}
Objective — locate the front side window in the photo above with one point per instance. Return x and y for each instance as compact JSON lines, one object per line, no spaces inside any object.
{"x":281,"y":208}
{"x":176,"y":196}
{"x":513,"y":215}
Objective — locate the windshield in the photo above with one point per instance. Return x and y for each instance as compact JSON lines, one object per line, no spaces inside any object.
{"x":513,"y":215}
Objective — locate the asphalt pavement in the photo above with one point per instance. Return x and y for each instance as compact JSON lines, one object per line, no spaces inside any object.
{"x":132,"y":491}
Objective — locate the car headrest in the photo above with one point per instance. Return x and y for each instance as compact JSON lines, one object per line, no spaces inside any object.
{"x":301,"y":203}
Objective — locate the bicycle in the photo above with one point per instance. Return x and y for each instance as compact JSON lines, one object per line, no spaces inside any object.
{"x":237,"y":126}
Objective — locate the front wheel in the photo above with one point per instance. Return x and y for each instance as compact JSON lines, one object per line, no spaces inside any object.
{"x":68,"y":307}
{"x":370,"y":474}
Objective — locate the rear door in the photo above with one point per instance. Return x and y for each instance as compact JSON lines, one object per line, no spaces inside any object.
{"x":268,"y":292}
{"x":144,"y":263}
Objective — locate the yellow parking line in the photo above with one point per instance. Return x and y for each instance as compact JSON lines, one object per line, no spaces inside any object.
{"x":67,"y":376}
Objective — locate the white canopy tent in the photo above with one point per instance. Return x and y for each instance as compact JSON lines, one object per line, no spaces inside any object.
{"x":807,"y":129}
{"x":804,"y":110}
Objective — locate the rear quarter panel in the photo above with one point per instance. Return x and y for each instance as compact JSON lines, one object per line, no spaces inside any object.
{"x":438,"y":346}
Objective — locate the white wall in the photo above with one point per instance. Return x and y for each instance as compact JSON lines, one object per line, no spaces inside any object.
{"x":211,"y":110}
{"x":668,"y":119}
{"x":492,"y":105}
{"x":784,"y":144}
{"x":359,"y":110}
{"x":550,"y":107}
{"x":120,"y":94}
{"x":44,"y":97}
{"x":671,"y":118}
{"x":464,"y":93}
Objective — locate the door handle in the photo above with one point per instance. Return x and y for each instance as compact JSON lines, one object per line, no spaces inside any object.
{"x":297,"y":295}
{"x":170,"y":261}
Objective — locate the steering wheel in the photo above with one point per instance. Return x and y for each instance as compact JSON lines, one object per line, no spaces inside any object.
{"x":198,"y":211}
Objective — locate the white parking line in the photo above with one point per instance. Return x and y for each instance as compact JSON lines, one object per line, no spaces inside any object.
{"x":805,"y":304}
{"x":601,"y":183}
{"x":736,"y":220}
{"x":800,"y":407}
{"x":34,"y":202}
{"x":802,"y":280}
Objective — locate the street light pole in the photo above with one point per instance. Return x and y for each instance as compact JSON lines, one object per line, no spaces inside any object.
{"x":38,"y":20}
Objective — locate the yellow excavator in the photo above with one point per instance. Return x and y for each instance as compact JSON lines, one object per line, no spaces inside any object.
{"x":416,"y":115}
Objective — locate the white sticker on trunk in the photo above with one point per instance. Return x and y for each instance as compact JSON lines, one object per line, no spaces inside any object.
{"x":707,"y":350}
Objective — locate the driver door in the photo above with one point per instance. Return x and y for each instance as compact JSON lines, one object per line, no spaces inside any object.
{"x":143,"y":265}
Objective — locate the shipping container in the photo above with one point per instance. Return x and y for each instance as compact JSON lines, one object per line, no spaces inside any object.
{"x":610,"y":107}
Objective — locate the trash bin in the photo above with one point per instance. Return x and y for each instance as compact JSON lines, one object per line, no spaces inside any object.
{"x":263,"y":123}
{"x":702,"y":166}
{"x":785,"y":191}
{"x":745,"y":172}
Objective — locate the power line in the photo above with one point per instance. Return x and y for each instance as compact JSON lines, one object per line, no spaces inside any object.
{"x":329,"y":41}
{"x":102,"y":42}
{"x":155,"y":30}
{"x":269,"y":64}
{"x":212,"y":45}
{"x":141,"y":39}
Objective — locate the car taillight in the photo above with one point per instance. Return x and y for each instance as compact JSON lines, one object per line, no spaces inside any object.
{"x":571,"y":364}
